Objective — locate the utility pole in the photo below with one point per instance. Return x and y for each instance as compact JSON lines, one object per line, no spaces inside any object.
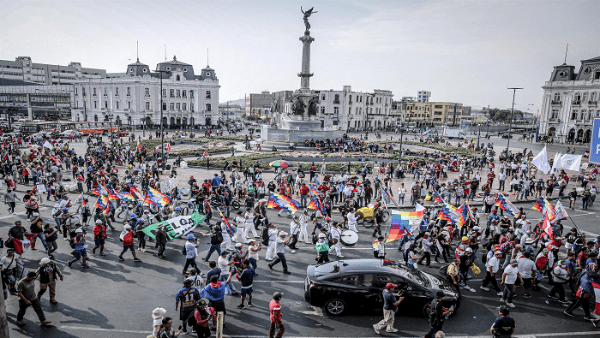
{"x":514,"y":89}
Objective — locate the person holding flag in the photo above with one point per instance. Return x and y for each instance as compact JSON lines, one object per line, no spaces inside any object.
{"x":216,"y":239}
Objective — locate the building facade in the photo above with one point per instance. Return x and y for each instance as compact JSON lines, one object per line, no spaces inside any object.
{"x":134,"y":99}
{"x":27,"y":100}
{"x":46,"y":74}
{"x":570,"y":102}
{"x":423,"y":96}
{"x":259,"y":105}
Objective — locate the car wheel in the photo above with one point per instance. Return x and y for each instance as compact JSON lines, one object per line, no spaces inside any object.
{"x":335,"y":307}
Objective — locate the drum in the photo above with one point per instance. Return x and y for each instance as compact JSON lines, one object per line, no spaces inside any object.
{"x":349,"y":237}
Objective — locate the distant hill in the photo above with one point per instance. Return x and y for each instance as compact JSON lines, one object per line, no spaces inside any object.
{"x":240,"y":102}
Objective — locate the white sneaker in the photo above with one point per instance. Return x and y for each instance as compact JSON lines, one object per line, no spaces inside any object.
{"x":510,"y":304}
{"x":376,"y":329}
{"x":500,"y":294}
{"x":342,"y":256}
{"x":484,"y":288}
{"x":392,"y":330}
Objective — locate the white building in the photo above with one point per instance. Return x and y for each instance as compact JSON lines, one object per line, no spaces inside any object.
{"x":47,"y":74}
{"x":423,"y":96}
{"x":133,"y":99}
{"x":570,"y":102}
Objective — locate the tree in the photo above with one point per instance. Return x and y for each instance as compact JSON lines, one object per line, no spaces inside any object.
{"x":503,"y":115}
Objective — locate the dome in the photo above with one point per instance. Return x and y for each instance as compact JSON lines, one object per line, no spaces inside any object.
{"x":175,"y":65}
{"x":137,"y":69}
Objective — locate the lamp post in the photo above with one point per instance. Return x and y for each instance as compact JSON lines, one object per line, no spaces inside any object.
{"x":478,"y":135}
{"x":162,"y":128}
{"x":110,"y":117}
{"x":514,"y":89}
{"x":400,"y":150}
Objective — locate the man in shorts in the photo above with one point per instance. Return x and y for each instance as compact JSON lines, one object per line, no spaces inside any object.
{"x":246,"y":277}
{"x":188,"y":296}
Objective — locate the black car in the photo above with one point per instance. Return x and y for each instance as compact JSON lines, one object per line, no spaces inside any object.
{"x":359,"y":283}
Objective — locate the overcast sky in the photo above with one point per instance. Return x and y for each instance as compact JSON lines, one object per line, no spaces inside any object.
{"x":461,"y":51}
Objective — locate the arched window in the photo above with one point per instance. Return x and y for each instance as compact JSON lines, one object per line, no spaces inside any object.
{"x":336,"y":97}
{"x":178,"y":78}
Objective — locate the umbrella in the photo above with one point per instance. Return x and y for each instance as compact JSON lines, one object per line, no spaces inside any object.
{"x":280,"y":164}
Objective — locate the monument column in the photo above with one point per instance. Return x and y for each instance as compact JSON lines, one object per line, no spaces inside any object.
{"x":305,"y":75}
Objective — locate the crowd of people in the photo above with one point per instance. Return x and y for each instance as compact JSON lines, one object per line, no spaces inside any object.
{"x":234,"y":206}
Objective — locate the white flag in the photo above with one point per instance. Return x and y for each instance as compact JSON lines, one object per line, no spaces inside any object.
{"x":541,"y":161}
{"x":560,"y":212}
{"x":570,"y":162}
{"x":48,"y":145}
{"x":556,"y":163}
{"x":419,"y":207}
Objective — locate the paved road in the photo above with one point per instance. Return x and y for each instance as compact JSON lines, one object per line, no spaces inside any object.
{"x":114,"y":299}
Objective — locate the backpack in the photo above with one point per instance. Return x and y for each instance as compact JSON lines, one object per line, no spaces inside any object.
{"x":219,"y":237}
{"x":184,"y":250}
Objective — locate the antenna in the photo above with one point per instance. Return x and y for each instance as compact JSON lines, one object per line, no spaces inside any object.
{"x":206,"y":57}
{"x":165,"y":52}
{"x":566,"y":53}
{"x":137,"y":50}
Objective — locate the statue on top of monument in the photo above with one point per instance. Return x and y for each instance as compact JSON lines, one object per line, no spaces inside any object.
{"x":307,"y":14}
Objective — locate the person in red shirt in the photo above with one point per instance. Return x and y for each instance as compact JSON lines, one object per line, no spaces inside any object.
{"x":99,"y":237}
{"x":275,"y":310}
{"x":128,"y":244}
{"x":303,"y":195}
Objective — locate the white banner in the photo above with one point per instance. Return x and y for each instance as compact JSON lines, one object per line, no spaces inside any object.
{"x":541,"y":161}
{"x":570,"y":162}
{"x":48,"y":145}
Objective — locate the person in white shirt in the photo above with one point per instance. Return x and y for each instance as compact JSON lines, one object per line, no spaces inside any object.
{"x":336,"y":233}
{"x":253,"y":250}
{"x":249,"y":226}
{"x":226,"y":236}
{"x":240,"y":222}
{"x":272,"y":233}
{"x":492,"y":266}
{"x":224,"y":264}
{"x":401,"y":194}
{"x":303,"y":236}
{"x":527,"y":270}
{"x":352,"y":220}
{"x":525,"y":223}
{"x":509,"y":277}
{"x":294,"y":230}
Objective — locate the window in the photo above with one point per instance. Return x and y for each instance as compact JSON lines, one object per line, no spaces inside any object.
{"x":184,"y":106}
{"x":178,"y":78}
{"x":104,"y":91}
{"x":178,"y":105}
{"x":350,"y":110}
{"x":361,"y":99}
{"x":178,"y":93}
{"x":208,"y":107}
{"x":96,"y":118}
{"x":94,"y":91}
{"x":322,"y":110}
{"x":323,"y":97}
{"x":349,"y":280}
{"x":164,"y":92}
{"x":438,"y":106}
{"x":147,"y":91}
{"x":577,"y":98}
{"x":367,"y":279}
{"x":95,"y":105}
{"x":105,"y":104}
{"x":584,"y":115}
{"x":172,"y":106}
{"x":192,"y":94}
{"x":336,"y":110}
{"x":554,"y":114}
{"x":147,"y":105}
{"x":128,"y":91}
{"x":83,"y":91}
{"x":75,"y":90}
{"x":116,"y":91}
{"x":172,"y":93}
{"x":208,"y":94}
{"x":336,"y":98}
{"x":117,"y":104}
{"x":597,"y":75}
{"x":574,"y":115}
{"x":192,"y":107}
{"x":128,"y":104}
{"x":184,"y":93}
{"x":164,"y":106}
{"x":585,"y":96}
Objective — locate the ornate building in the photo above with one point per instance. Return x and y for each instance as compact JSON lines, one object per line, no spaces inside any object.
{"x":570,"y":102}
{"x":189,"y":99}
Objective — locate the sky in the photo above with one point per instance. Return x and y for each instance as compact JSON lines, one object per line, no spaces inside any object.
{"x":461,"y":51}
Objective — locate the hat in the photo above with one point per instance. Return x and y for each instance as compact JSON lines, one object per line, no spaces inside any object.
{"x":328,"y":218}
{"x":513,"y":261}
{"x":465,"y":239}
{"x":191,"y":236}
{"x":159,"y":312}
{"x":322,"y":236}
{"x":45,"y":261}
{"x":391,"y":286}
{"x":188,"y":282}
{"x":283,"y":233}
{"x":79,"y":231}
{"x":226,"y":252}
{"x":239,"y":245}
{"x":127,"y":227}
{"x":98,"y":221}
{"x":251,"y":240}
{"x":201,"y":302}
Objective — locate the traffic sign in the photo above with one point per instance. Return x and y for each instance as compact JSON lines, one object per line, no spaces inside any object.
{"x":595,"y":142}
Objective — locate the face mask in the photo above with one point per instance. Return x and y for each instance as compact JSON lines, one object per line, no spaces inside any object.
{"x":48,"y":270}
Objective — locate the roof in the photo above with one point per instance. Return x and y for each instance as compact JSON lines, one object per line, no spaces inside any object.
{"x":10,"y":82}
{"x":596,"y":59}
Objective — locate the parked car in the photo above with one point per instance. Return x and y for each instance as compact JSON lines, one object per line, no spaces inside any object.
{"x":507,"y":136}
{"x":358,"y":283}
{"x":121,"y":133}
{"x":70,"y":132}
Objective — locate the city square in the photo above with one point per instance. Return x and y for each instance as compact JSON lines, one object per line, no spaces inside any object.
{"x":319,"y":212}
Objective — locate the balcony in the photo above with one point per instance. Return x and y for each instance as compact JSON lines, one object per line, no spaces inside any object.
{"x":593,"y":103}
{"x":350,"y":102}
{"x":576,"y":103}
{"x":558,"y":103}
{"x":336,"y":101}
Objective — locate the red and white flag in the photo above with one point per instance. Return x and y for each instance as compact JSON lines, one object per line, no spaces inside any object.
{"x":547,"y":227}
{"x":139,"y":146}
{"x":597,"y":293}
{"x":168,"y":147}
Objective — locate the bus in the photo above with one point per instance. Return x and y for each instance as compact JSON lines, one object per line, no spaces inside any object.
{"x":87,"y":128}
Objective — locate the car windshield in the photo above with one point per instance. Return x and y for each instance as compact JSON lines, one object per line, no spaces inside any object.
{"x":414,"y":275}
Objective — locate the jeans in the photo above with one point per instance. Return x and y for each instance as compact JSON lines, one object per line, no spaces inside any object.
{"x":509,"y":292}
{"x":253,"y":264}
{"x":401,"y":200}
{"x":280,"y":258}
{"x":37,"y":307}
{"x":42,"y":238}
{"x":303,"y":200}
{"x":213,"y":248}
{"x":190,"y":262}
{"x":223,"y":278}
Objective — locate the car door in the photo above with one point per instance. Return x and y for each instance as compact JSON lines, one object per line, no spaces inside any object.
{"x":370,"y":291}
{"x":414,"y":295}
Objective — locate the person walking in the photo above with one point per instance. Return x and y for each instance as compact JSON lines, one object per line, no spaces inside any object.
{"x":215,"y":292}
{"x":48,"y":273}
{"x":492,"y":267}
{"x":99,"y":237}
{"x":198,"y":320}
{"x":27,"y":297}
{"x":280,"y":251}
{"x":216,"y":238}
{"x":191,"y":252}
{"x":390,"y":306}
{"x":509,"y":277}
{"x":504,"y":326}
{"x":246,"y":277}
{"x":437,"y":315}
{"x":322,"y":247}
{"x":128,"y":244}
{"x":161,"y":241}
{"x":188,"y":296}
{"x":79,"y":249}
{"x":275,"y":315}
{"x":560,"y":276}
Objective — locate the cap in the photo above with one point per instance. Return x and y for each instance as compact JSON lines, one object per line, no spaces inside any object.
{"x":391,"y":286}
{"x":79,"y":231}
{"x":191,"y":236}
{"x":322,"y":236}
{"x":127,"y":227}
{"x":188,"y":282}
{"x":427,"y":234}
{"x":239,"y":245}
{"x":283,"y":233}
{"x":45,"y":261}
{"x":465,"y":239}
{"x":98,"y":221}
{"x":201,"y":302}
{"x":513,"y":261}
{"x":328,"y":218}
{"x":224,"y":253}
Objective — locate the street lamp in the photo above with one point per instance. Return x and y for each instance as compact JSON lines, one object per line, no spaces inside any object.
{"x":162,"y":128}
{"x":514,"y":89}
{"x":478,"y":135}
{"x":110,"y":117}
{"x":400,"y":150}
